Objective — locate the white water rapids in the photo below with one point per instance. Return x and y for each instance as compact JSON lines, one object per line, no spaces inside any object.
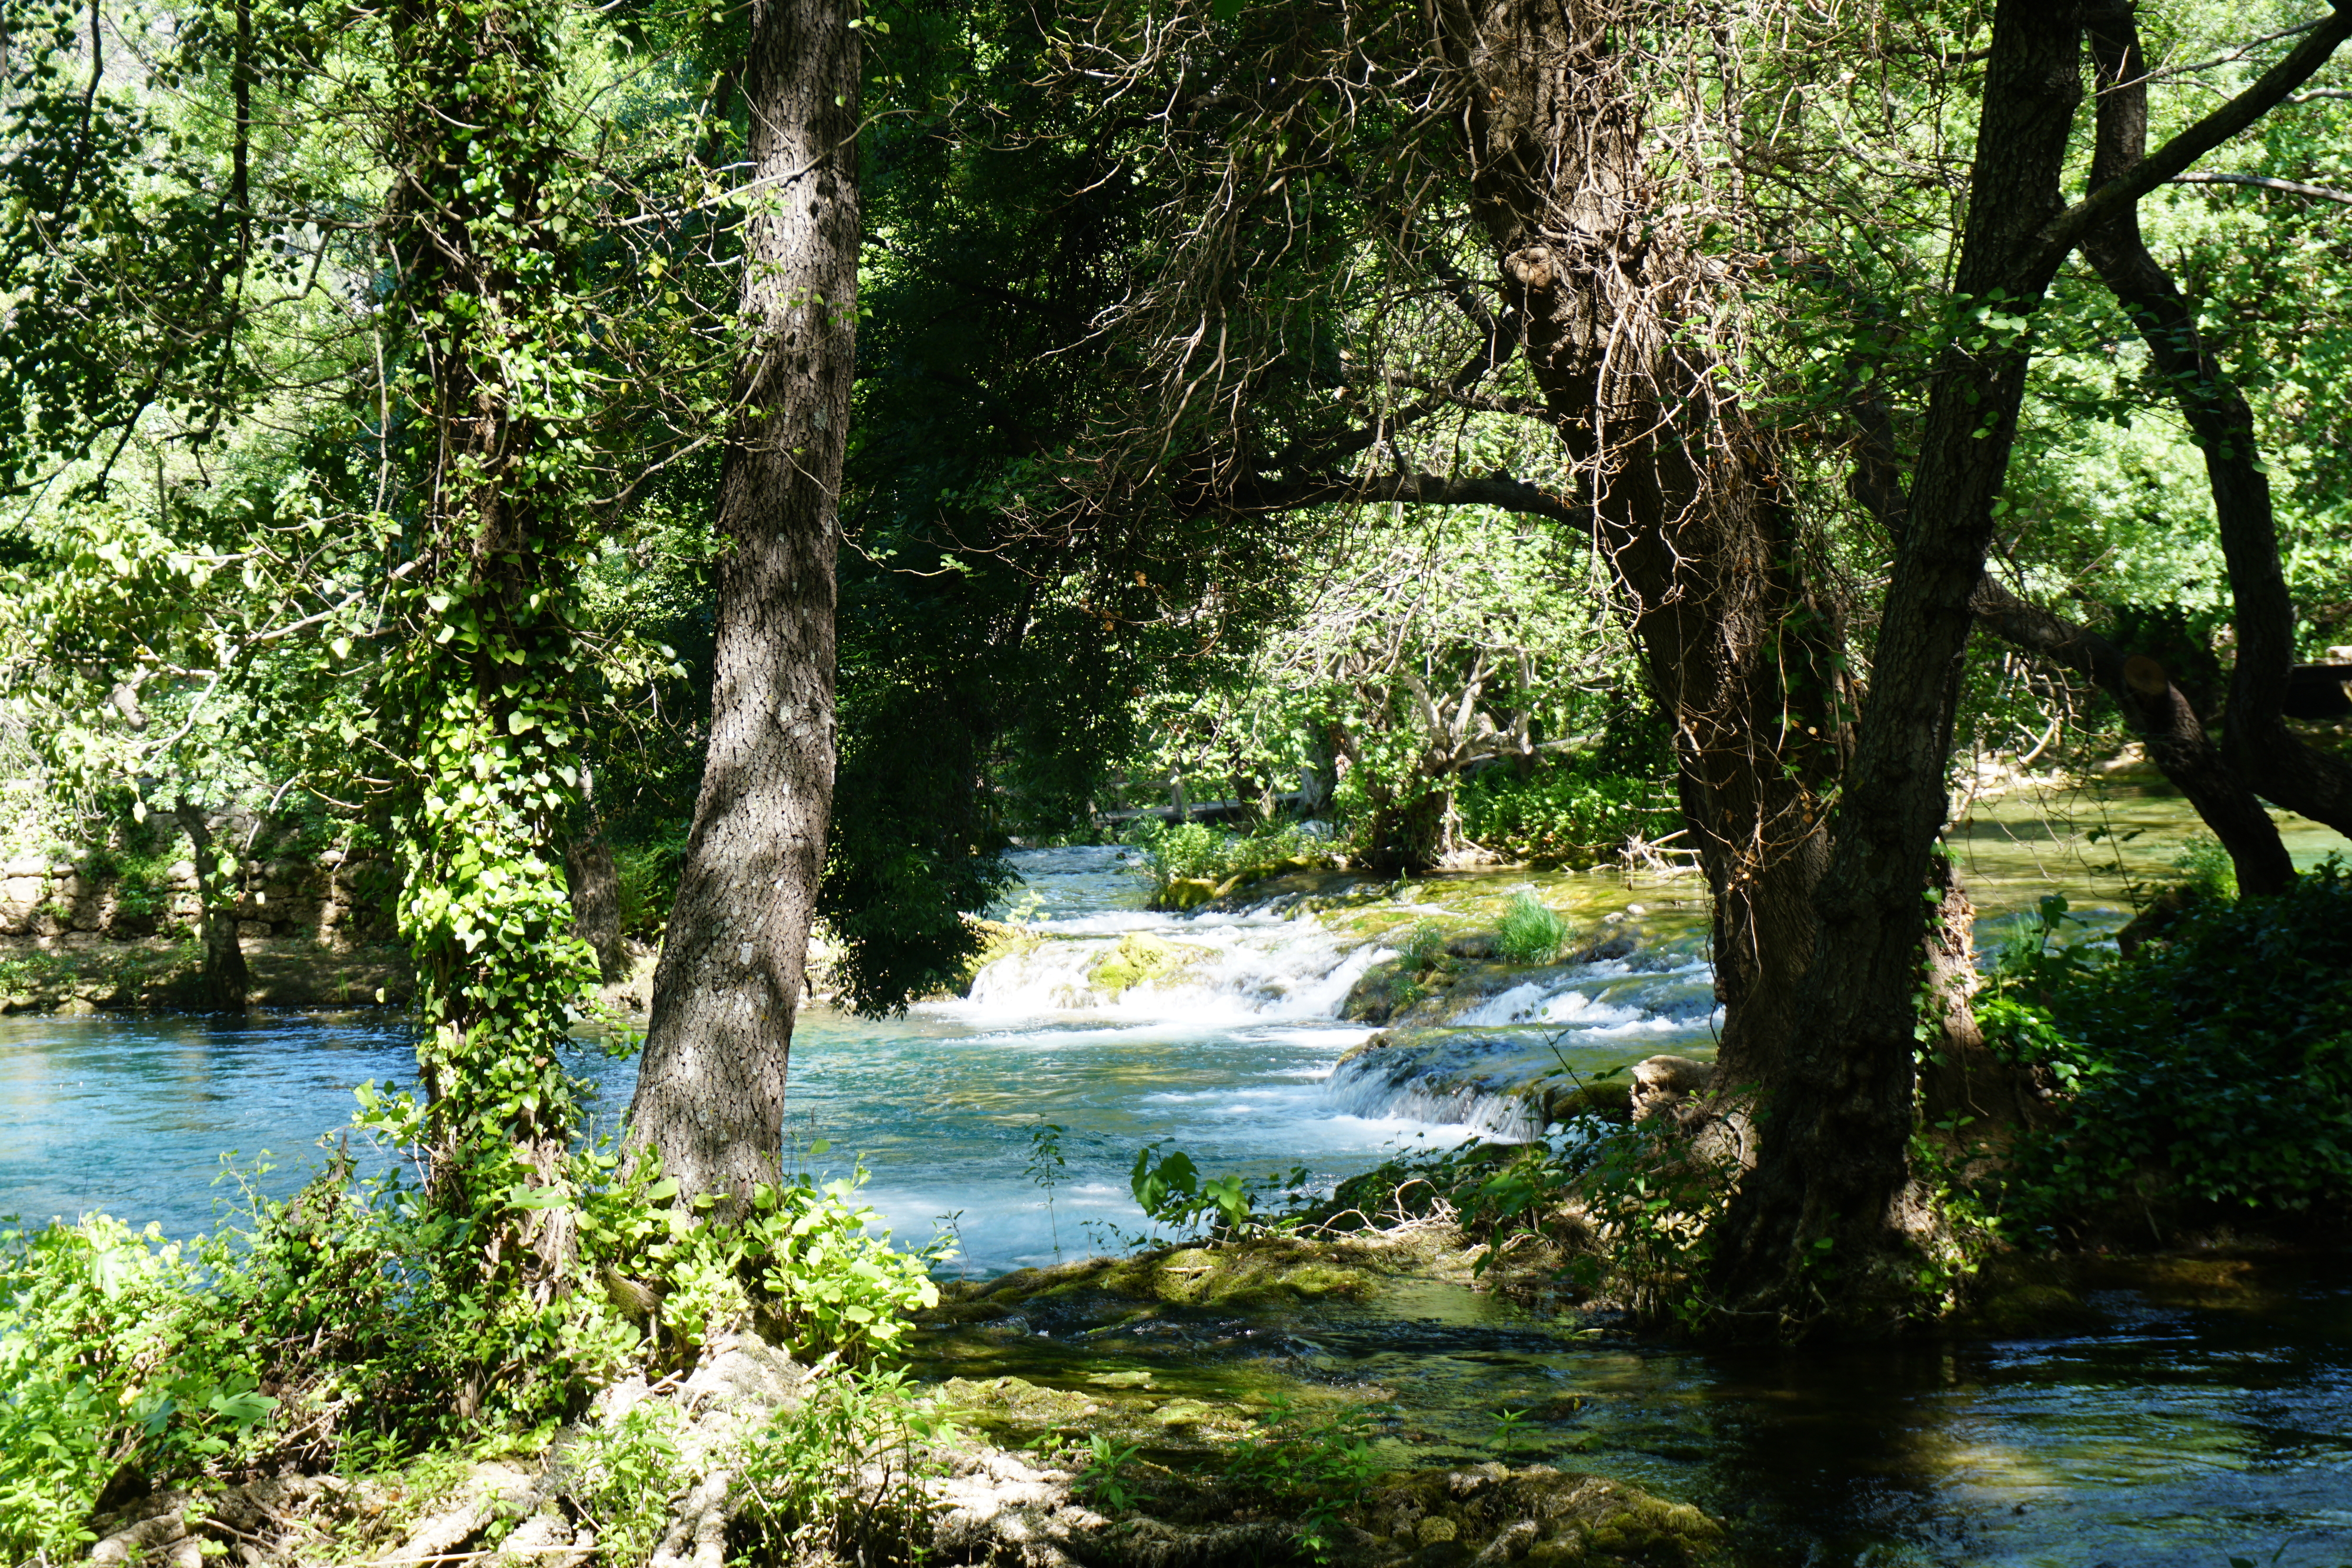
{"x":1213,"y":1032}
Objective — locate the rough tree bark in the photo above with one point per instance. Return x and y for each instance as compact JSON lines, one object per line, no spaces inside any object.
{"x":1738,"y":651}
{"x":223,"y":983}
{"x":594,"y":885}
{"x":710,"y":1093}
{"x":1812,"y":1227}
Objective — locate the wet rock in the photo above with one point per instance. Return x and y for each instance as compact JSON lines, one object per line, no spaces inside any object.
{"x":1489,"y":1514}
{"x":1141,"y":960}
{"x":1613,"y":946}
{"x":1662,"y":1082}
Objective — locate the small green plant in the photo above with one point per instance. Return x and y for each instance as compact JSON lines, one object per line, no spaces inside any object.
{"x":1101,"y":1481}
{"x":1529,"y":932}
{"x":1171,"y":1190}
{"x":2205,"y":866}
{"x":839,"y":1478}
{"x":1043,"y":1169}
{"x":624,"y":1475}
{"x":1318,"y":1468}
{"x":1506,"y":1432}
{"x":1423,"y":947}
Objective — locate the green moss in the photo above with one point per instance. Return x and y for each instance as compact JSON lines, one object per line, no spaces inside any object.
{"x":1537,"y":1516}
{"x":1264,"y":1269}
{"x":998,"y":939}
{"x":1140,"y":959}
{"x":1237,"y":1276}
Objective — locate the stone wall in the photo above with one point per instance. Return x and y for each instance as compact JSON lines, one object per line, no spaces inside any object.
{"x":335,"y":900}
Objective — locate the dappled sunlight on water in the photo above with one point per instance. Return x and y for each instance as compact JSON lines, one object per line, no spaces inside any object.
{"x":2193,"y":1427}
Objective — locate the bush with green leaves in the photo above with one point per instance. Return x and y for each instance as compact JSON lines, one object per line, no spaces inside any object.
{"x":2211,"y":1071}
{"x":355,"y":1324}
{"x":2205,"y":866}
{"x":1578,"y":811}
{"x":1180,"y":852}
{"x":1170,"y":1190}
{"x":838,"y":1477}
{"x":1529,"y":932}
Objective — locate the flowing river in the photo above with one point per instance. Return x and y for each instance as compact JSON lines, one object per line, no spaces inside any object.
{"x":2208,"y":1413}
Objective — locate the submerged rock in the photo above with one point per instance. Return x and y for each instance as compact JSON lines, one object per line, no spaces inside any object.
{"x":1491,"y":1514}
{"x":1000,"y":1510}
{"x":1255,"y":1272}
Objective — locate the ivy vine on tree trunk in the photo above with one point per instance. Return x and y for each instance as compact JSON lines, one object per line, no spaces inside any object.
{"x":484,"y":679}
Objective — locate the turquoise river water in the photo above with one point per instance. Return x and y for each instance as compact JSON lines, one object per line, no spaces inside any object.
{"x":2202,"y":1419}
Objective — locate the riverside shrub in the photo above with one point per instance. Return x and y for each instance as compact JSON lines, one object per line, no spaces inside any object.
{"x":1180,"y":852}
{"x":1578,"y":811}
{"x":355,"y":1325}
{"x":2213,"y":1067}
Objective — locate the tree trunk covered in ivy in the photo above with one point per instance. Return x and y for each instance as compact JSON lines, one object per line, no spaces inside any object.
{"x":484,"y":679}
{"x":1741,"y":653}
{"x":710,"y":1093}
{"x":223,"y":982}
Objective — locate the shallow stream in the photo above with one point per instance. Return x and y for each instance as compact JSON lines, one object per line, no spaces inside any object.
{"x":2206,"y":1416}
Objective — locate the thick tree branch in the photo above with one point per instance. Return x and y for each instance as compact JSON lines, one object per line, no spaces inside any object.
{"x":2118,"y":193}
{"x":2269,"y":758}
{"x":2291,"y":187}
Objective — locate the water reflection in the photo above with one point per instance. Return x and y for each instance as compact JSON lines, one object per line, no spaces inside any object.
{"x":2190,"y":1428}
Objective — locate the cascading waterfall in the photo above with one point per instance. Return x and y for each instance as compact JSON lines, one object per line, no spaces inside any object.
{"x":1484,"y":1069}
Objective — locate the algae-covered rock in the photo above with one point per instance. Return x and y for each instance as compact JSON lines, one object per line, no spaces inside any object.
{"x":1140,"y":959}
{"x":1261,"y":1269}
{"x":1491,"y":1514}
{"x":998,"y":939}
{"x":1185,"y":892}
{"x":1016,"y":1400}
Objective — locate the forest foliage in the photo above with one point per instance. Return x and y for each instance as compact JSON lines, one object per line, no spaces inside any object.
{"x":366,"y":392}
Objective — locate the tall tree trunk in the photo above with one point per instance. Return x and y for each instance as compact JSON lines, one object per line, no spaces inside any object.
{"x":1818,"y":1229}
{"x":485,"y":673}
{"x":2269,"y":757}
{"x":1741,"y":654}
{"x":223,"y":983}
{"x":710,"y":1093}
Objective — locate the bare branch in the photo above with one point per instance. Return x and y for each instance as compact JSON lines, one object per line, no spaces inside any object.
{"x":2263,"y":182}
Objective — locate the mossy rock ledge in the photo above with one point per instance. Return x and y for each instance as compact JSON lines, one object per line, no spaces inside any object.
{"x":1262,"y":1271}
{"x":1484,"y":1515}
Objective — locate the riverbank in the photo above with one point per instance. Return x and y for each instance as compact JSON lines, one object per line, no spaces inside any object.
{"x":79,"y":974}
{"x":2158,"y":1409}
